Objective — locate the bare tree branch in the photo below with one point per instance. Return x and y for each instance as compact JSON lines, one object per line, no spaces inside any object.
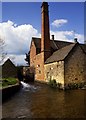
{"x":2,"y":50}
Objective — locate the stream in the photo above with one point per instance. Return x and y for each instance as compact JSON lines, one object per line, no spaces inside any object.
{"x":41,"y":101}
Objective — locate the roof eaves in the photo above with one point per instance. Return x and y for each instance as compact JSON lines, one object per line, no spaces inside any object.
{"x":53,"y":61}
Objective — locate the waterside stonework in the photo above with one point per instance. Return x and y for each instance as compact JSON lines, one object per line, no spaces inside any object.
{"x":55,"y":71}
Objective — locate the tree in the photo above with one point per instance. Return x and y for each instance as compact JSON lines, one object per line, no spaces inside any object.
{"x":27,"y":59}
{"x":2,"y":54}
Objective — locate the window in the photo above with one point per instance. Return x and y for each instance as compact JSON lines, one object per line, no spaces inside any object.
{"x":38,"y":50}
{"x":76,"y":78}
{"x":51,"y":68}
{"x":38,"y":65}
{"x":47,"y":74}
{"x":39,"y":71}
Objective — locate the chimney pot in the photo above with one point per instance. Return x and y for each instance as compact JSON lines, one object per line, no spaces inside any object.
{"x":75,"y":40}
{"x":52,"y":37}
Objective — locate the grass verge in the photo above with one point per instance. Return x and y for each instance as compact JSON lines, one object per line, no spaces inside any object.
{"x":5,"y":82}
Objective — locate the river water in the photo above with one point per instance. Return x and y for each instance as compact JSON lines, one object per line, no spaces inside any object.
{"x":42,"y":101}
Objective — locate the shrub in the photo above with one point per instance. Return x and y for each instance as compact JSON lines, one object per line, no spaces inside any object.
{"x":74,"y":85}
{"x":53,"y":83}
{"x":59,"y":85}
{"x":81,"y":85}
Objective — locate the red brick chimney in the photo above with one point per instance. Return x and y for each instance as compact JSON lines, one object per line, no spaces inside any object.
{"x":45,"y":32}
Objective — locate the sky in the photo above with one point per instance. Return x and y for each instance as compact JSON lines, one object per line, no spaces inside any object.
{"x":22,"y":20}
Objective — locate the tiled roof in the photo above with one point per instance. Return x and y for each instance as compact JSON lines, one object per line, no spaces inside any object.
{"x":8,"y":61}
{"x":60,"y":54}
{"x":61,"y":49}
{"x":83,"y":47}
{"x":54,"y":44}
{"x":37,"y":42}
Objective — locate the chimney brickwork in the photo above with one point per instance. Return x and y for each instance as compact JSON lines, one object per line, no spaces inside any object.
{"x":45,"y":31}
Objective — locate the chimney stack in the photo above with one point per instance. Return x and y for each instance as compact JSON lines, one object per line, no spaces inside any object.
{"x":45,"y":31}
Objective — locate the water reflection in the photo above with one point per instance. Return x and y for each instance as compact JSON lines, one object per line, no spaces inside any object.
{"x":46,"y":102}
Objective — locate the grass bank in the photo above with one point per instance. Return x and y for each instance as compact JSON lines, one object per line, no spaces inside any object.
{"x":6,"y":82}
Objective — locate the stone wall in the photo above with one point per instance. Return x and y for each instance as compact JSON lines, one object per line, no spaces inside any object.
{"x":74,"y":66}
{"x":39,"y":67}
{"x":55,"y":71}
{"x":36,"y":63}
{"x":9,"y":91}
{"x":84,"y":67}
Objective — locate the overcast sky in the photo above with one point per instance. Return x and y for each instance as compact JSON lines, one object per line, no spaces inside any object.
{"x":22,"y":21}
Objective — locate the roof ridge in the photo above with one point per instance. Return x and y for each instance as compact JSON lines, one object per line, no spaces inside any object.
{"x":62,"y":41}
{"x":7,"y":61}
{"x":36,"y":38}
{"x":54,"y":40}
{"x":67,"y":46}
